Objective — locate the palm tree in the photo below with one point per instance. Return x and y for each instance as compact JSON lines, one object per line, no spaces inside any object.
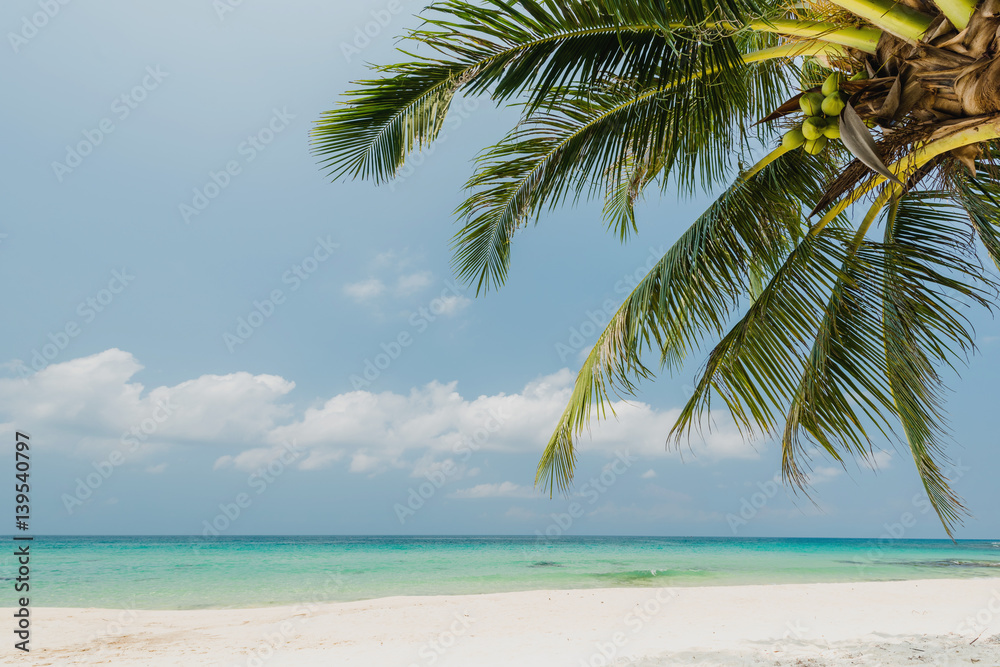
{"x":827,"y":333}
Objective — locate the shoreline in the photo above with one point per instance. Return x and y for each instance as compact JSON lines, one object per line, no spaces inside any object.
{"x":933,"y":620}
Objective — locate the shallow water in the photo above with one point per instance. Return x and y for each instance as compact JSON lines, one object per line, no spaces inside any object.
{"x":193,"y":573}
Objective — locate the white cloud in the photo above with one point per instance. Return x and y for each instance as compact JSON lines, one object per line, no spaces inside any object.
{"x":413,"y":282}
{"x":364,"y":291}
{"x":364,"y":462}
{"x":882,"y":459}
{"x":502,"y":490}
{"x":87,"y":404}
{"x":659,"y":512}
{"x":518,"y":513}
{"x":649,"y":474}
{"x":823,"y":474}
{"x":387,"y":258}
{"x":450,"y":304}
{"x":92,"y":402}
{"x":397,"y":260}
{"x":157,"y":469}
{"x":429,"y":467}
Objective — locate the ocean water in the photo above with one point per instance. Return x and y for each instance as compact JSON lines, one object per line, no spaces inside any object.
{"x":228,"y":572}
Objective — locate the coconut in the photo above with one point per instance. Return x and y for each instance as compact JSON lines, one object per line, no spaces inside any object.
{"x":832,"y":84}
{"x":812,"y":104}
{"x":815,"y":146}
{"x":813,"y":127}
{"x":833,"y":105}
{"x":793,"y":139}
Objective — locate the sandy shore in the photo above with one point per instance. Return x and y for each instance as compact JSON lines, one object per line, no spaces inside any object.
{"x":934,"y":622}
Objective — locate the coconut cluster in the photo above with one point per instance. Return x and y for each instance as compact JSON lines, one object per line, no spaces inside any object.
{"x":822,"y":122}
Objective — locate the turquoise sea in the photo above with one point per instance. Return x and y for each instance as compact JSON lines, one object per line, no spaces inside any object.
{"x":194,"y":573}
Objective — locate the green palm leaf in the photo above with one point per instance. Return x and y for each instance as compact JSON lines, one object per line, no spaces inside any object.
{"x":931,"y":270}
{"x":690,"y":293}
{"x":587,"y":139}
{"x":537,"y":49}
{"x":827,"y":334}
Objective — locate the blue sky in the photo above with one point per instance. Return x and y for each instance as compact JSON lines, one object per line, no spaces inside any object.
{"x":195,"y":295}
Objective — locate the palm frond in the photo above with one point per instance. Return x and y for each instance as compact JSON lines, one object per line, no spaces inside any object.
{"x":588,"y":139}
{"x":534,"y":49}
{"x":624,"y":183}
{"x":690,"y":293}
{"x":757,"y":367}
{"x":980,"y":195}
{"x":877,"y":320}
{"x":931,"y":271}
{"x":842,"y":387}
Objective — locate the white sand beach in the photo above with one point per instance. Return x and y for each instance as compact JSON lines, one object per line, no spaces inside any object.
{"x":932,"y":622}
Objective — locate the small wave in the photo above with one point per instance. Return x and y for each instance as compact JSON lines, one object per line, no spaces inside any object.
{"x":545,"y":563}
{"x":648,"y":576}
{"x":970,"y":563}
{"x":947,"y":562}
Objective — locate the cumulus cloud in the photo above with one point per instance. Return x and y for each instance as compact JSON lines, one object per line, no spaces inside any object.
{"x":823,"y":474}
{"x":649,"y":474}
{"x":881,"y":460}
{"x":95,"y":401}
{"x":397,"y":259}
{"x":658,"y":512}
{"x":364,"y":291}
{"x":451,"y":304}
{"x":413,"y":282}
{"x":502,"y":490}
